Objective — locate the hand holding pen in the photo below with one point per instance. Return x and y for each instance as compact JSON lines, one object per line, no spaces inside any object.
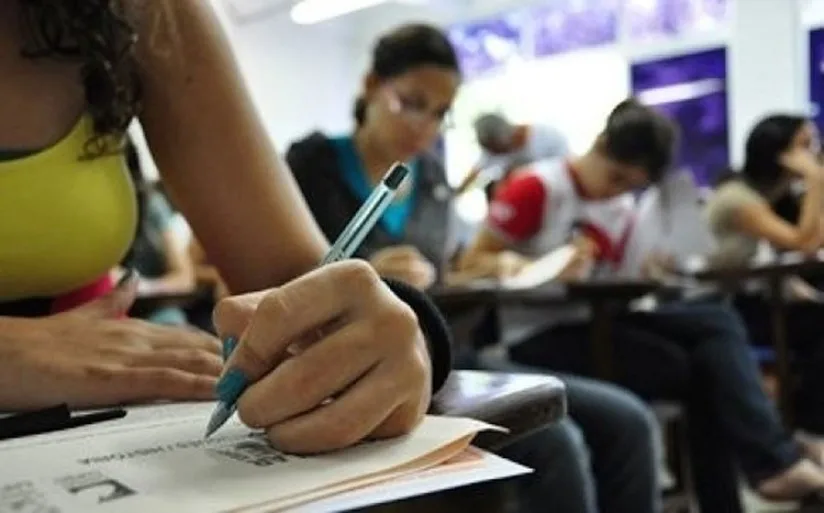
{"x":364,"y":370}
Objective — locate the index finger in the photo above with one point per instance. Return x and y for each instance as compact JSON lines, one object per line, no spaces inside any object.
{"x":299,"y":308}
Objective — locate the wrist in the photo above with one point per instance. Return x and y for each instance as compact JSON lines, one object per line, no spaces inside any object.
{"x":436,"y":334}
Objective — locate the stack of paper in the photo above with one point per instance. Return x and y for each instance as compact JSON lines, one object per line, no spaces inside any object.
{"x":158,"y":461}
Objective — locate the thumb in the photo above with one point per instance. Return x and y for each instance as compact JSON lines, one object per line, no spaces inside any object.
{"x":114,"y":304}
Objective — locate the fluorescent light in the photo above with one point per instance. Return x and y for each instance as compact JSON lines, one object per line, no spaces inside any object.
{"x":314,"y":11}
{"x":681,"y":92}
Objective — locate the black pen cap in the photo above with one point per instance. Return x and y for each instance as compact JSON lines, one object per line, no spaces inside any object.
{"x":396,"y":175}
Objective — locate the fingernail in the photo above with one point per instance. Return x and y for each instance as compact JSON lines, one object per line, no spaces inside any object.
{"x":231,"y":385}
{"x":229,"y":345}
{"x":125,"y":278}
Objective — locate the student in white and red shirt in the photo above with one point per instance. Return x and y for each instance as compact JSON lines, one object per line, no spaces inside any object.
{"x":587,"y":199}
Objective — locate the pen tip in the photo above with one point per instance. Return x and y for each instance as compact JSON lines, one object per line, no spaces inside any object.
{"x":218,"y":418}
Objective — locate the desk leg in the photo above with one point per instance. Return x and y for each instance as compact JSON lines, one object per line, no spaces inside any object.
{"x":601,"y":336}
{"x":778,"y":314}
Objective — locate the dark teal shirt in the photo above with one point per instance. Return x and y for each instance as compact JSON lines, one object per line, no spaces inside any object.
{"x":395,"y":217}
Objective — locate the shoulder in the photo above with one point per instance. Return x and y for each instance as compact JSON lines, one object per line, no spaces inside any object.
{"x":517,"y":209}
{"x":313,"y":152}
{"x":733,"y":194}
{"x":548,"y":141}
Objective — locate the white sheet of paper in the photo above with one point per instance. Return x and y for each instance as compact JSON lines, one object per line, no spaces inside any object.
{"x":542,"y":271}
{"x":484,"y":466}
{"x":160,"y":463}
{"x":672,"y":224}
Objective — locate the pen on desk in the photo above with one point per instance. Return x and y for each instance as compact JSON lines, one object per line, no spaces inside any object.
{"x":344,"y":247}
{"x":56,"y":418}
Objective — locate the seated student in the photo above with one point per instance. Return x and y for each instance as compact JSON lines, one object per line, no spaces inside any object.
{"x":779,"y":149}
{"x":410,"y":87}
{"x":543,"y":206}
{"x":156,"y":253}
{"x":75,"y":76}
{"x":746,"y":210}
{"x":507,"y":146}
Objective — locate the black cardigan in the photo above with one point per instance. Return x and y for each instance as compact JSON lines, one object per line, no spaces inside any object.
{"x":315,"y":165}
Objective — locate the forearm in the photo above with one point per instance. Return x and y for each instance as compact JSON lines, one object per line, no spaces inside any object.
{"x":14,"y":368}
{"x":809,"y":225}
{"x":467,"y":182}
{"x":179,"y":282}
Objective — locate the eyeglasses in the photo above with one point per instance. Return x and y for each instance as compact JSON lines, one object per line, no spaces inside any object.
{"x":416,"y":111}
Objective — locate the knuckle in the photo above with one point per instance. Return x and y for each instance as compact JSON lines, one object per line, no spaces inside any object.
{"x":165,"y":378}
{"x":100,"y":373}
{"x":358,"y":276}
{"x":230,"y":313}
{"x":196,"y":358}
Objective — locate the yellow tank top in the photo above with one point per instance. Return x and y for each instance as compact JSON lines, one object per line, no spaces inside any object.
{"x":64,"y":220}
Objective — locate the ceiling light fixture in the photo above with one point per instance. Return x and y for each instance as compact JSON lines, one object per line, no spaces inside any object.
{"x":307,"y":12}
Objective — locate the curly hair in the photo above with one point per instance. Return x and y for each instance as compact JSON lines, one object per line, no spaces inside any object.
{"x":102,"y":38}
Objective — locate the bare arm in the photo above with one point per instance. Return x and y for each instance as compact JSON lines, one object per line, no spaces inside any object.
{"x":487,"y":256}
{"x":179,"y":277}
{"x":758,"y":220}
{"x":211,"y":148}
{"x":468,"y":180}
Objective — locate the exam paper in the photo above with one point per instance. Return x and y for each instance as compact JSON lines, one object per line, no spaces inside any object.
{"x":164,"y":465}
{"x":469,"y":467}
{"x":670,"y":221}
{"x":542,"y":271}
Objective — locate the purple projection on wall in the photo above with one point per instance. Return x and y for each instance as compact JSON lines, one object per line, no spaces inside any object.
{"x":485,"y":45}
{"x":692,"y":90}
{"x":565,"y":25}
{"x":817,"y":76}
{"x":653,"y":19}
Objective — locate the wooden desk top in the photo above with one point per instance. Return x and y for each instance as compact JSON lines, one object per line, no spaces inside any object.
{"x":786,"y":264}
{"x":553,"y":293}
{"x":521,"y":403}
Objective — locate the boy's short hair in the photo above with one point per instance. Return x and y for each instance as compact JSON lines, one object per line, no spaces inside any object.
{"x":636,"y":134}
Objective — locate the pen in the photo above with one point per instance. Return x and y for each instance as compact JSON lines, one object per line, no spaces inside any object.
{"x":52,"y":419}
{"x":344,"y":247}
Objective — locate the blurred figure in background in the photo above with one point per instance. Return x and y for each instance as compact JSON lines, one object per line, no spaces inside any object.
{"x":507,"y":146}
{"x":157,"y":253}
{"x":406,"y":96}
{"x":590,"y":197}
{"x":748,"y":210}
{"x":779,"y":149}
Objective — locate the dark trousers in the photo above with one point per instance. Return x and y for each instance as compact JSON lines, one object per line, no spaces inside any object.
{"x":805,"y":325}
{"x":601,"y":458}
{"x":696,"y":352}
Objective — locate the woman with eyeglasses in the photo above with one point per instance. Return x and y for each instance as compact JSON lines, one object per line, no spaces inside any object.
{"x":406,"y":96}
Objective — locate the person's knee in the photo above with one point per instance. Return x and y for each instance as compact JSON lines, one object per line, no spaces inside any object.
{"x":560,"y":447}
{"x":636,"y":420}
{"x":724,"y":321}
